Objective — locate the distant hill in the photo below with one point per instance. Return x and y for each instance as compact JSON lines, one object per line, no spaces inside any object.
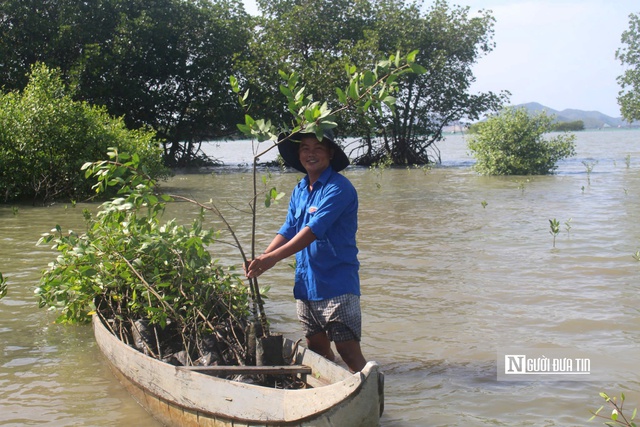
{"x":591,"y":119}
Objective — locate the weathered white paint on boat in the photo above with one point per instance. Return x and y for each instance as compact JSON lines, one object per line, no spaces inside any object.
{"x":180,"y":397}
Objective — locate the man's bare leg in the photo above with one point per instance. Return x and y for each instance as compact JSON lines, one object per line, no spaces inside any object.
{"x":351,"y":354}
{"x":320,"y":344}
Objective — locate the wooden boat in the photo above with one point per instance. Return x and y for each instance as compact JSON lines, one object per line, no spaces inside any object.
{"x":191,"y":396}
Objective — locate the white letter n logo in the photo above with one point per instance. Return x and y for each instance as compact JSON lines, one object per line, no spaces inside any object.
{"x":514,"y":364}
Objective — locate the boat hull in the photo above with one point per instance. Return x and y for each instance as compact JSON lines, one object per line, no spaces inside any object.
{"x":180,"y":397}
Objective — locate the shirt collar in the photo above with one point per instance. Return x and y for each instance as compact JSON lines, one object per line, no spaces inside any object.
{"x":324,"y":177}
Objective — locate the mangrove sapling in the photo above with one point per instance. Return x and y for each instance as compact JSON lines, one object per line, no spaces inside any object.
{"x":554,"y":224}
{"x":378,"y":169}
{"x":627,"y":160}
{"x":261,"y":326}
{"x":617,"y":417}
{"x":133,"y":272}
{"x":522,"y":184}
{"x":3,"y":286}
{"x":424,"y":168}
{"x":589,"y":165}
{"x":367,"y":90}
{"x":567,"y":226}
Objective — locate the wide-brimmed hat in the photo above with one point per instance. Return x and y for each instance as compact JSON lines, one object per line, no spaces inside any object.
{"x":288,"y":148}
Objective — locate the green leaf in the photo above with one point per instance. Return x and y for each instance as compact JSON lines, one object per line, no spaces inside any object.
{"x":368,"y":79}
{"x":614,"y":414}
{"x":326,"y":124}
{"x":292,"y":81}
{"x":286,"y":91}
{"x":246,"y":130}
{"x":234,"y":84}
{"x":390,"y":101}
{"x":90,"y":272}
{"x":353,"y":90}
{"x":418,"y":69}
{"x":309,"y":115}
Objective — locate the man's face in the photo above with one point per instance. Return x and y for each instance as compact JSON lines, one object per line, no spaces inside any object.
{"x":315,"y":156}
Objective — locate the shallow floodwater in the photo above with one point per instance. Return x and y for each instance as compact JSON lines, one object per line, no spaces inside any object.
{"x":455,"y":267}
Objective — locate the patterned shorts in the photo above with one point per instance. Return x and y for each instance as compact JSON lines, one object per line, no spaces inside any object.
{"x":339,"y":317}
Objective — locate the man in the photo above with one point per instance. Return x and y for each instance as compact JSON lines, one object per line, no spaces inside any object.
{"x":320,"y":229}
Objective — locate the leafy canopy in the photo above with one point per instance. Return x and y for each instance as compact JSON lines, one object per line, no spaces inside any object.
{"x":366,"y":93}
{"x":159,"y":64}
{"x":339,"y":34}
{"x":513,"y":143}
{"x":46,"y":136}
{"x":629,"y":81}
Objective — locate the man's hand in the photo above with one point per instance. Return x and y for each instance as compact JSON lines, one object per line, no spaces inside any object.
{"x":259,"y":265}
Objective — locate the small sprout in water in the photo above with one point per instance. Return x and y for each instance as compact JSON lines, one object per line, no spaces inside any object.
{"x":589,"y":165}
{"x":554,"y":224}
{"x":484,"y":203}
{"x":567,"y":225}
{"x":425,"y":169}
{"x":618,"y":417}
{"x":3,"y":287}
{"x":522,"y":184}
{"x":627,"y":160}
{"x":583,"y":189}
{"x":636,"y":256}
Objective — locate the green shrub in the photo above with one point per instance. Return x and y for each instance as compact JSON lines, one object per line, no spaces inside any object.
{"x":129,"y":267}
{"x":568,"y":126}
{"x":46,"y":136}
{"x":513,"y":143}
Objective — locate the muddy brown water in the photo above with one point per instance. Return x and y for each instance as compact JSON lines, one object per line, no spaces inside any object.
{"x":455,"y":267}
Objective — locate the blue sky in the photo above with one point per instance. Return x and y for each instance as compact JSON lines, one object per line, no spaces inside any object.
{"x":560,"y":53}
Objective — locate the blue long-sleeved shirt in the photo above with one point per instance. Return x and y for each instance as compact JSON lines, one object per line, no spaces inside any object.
{"x":329,"y":266}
